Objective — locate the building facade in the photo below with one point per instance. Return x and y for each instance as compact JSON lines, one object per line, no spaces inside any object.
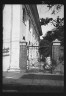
{"x":20,"y":27}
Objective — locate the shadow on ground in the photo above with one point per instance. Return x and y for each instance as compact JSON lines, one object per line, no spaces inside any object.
{"x":30,"y":88}
{"x":45,"y":77}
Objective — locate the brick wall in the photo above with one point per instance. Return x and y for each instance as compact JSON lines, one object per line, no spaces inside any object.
{"x":23,"y":57}
{"x":56,"y":53}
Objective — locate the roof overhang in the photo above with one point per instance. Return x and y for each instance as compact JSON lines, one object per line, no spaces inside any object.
{"x":36,"y":17}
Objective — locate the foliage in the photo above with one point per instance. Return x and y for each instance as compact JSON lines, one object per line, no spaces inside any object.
{"x":56,"y":7}
{"x":46,"y":43}
{"x":56,"y":33}
{"x":54,"y":64}
{"x":45,"y":48}
{"x":45,"y":21}
{"x":57,"y":22}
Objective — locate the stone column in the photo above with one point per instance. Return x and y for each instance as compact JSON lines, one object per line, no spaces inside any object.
{"x":6,"y":36}
{"x":15,"y":37}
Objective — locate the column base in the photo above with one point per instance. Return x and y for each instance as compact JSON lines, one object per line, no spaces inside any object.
{"x":13,"y":70}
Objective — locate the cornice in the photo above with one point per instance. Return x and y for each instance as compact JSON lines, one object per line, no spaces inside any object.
{"x":29,"y":13}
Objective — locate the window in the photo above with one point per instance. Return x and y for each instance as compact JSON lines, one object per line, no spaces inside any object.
{"x":23,"y":37}
{"x":29,"y":42}
{"x":24,"y":15}
{"x":29,"y":25}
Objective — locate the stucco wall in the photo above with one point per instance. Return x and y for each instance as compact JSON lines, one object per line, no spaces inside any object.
{"x":6,"y":35}
{"x":11,"y":35}
{"x":13,"y":31}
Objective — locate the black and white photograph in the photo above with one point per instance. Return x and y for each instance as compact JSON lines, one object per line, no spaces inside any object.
{"x":33,"y":48}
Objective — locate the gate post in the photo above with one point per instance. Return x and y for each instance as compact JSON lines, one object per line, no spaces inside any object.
{"x":56,"y":50}
{"x":23,"y":56}
{"x":27,"y":57}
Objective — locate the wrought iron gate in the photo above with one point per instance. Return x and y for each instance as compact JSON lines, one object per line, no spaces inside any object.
{"x":34,"y":60}
{"x":33,"y":57}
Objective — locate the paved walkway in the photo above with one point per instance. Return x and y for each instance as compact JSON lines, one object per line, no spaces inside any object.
{"x":33,"y":79}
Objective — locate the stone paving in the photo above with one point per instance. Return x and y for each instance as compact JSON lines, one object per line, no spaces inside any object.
{"x":33,"y":79}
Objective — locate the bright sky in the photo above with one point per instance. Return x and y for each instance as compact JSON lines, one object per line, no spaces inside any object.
{"x":43,"y":13}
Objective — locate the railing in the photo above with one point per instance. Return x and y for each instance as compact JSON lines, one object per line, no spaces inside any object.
{"x":36,"y":61}
{"x":33,"y":56}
